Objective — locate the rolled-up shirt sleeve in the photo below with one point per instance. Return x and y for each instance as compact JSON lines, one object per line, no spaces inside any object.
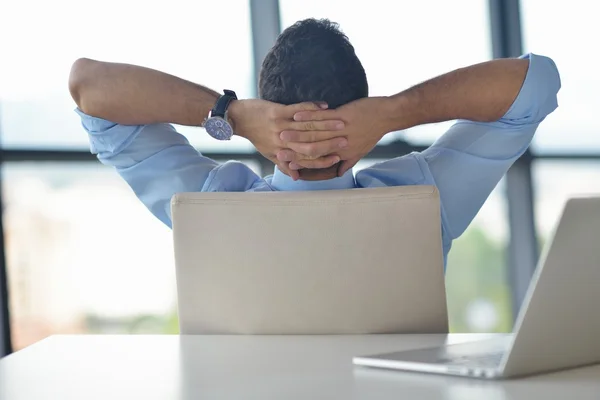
{"x":157,"y":162}
{"x":469,"y":160}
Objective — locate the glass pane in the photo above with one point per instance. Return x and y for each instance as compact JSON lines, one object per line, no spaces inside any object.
{"x":567,"y":32}
{"x":77,"y":243}
{"x":77,"y":240}
{"x":555,"y":182}
{"x":402,"y":43}
{"x":175,"y":37}
{"x":479,"y":297}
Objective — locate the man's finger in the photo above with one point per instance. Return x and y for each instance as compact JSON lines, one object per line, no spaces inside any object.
{"x":285,"y":168}
{"x":289,"y":155}
{"x":345,"y":166}
{"x":318,"y":149}
{"x":329,"y":125}
{"x":309,"y":136}
{"x":305,"y":106}
{"x":319,"y":115}
{"x":323,"y":162}
{"x":286,"y":155}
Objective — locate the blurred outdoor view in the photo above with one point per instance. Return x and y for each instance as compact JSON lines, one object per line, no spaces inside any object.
{"x":84,"y":256}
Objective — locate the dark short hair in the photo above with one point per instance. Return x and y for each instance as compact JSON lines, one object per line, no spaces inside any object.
{"x":312,"y":60}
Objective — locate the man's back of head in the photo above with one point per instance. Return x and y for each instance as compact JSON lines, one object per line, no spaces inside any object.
{"x":312,"y":60}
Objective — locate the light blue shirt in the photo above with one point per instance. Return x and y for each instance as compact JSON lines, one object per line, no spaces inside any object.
{"x":465,"y":164}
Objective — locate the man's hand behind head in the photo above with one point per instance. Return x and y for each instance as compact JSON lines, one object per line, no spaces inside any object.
{"x":262,"y":122}
{"x":366,"y":122}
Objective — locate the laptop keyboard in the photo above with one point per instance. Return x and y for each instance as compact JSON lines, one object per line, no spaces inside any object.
{"x":479,"y":360}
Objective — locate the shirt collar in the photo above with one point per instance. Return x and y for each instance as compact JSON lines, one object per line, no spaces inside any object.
{"x":284,"y":183}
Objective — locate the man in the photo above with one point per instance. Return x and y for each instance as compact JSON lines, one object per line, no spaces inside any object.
{"x":126,"y":111}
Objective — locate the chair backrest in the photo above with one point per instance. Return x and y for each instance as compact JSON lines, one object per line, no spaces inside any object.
{"x":322,"y":262}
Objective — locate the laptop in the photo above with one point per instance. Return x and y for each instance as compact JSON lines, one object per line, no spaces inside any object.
{"x":558,"y":326}
{"x":351,"y":261}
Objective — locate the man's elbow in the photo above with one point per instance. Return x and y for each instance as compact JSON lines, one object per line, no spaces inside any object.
{"x":78,"y":80}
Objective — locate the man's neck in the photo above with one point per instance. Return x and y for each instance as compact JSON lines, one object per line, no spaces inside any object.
{"x":319,"y":174}
{"x":282,"y":182}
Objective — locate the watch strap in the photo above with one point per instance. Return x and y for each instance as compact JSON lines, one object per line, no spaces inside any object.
{"x":220,"y":107}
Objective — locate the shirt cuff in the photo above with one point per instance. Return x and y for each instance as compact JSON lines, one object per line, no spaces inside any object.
{"x":106,"y":137}
{"x":538,"y":95}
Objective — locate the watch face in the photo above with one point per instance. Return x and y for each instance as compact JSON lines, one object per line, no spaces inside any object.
{"x":218,"y":128}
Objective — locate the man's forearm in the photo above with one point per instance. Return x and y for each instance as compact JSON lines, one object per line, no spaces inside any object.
{"x":133,"y":95}
{"x":482,"y":92}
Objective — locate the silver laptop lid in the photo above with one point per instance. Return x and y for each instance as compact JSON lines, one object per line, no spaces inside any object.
{"x":325,"y":262}
{"x":559,"y":323}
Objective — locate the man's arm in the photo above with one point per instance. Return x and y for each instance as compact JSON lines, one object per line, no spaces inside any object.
{"x":126,"y":110}
{"x":133,"y":95}
{"x":481,"y":92}
{"x":468,"y":161}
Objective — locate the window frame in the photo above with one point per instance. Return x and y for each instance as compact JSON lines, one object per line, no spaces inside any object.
{"x":505,"y":34}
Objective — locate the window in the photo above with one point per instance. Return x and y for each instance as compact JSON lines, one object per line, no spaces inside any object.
{"x":77,"y":241}
{"x":554,"y":183}
{"x":567,"y":32}
{"x":70,"y":269}
{"x":403,"y":43}
{"x":175,"y":37}
{"x":69,"y":226}
{"x":478,"y":293}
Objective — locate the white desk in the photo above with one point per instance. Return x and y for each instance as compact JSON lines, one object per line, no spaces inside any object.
{"x":253,"y":367}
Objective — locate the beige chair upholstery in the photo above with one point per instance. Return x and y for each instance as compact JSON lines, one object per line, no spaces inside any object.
{"x":327,"y":262}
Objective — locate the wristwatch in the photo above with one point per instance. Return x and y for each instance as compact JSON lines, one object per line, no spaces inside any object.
{"x":217,"y":124}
